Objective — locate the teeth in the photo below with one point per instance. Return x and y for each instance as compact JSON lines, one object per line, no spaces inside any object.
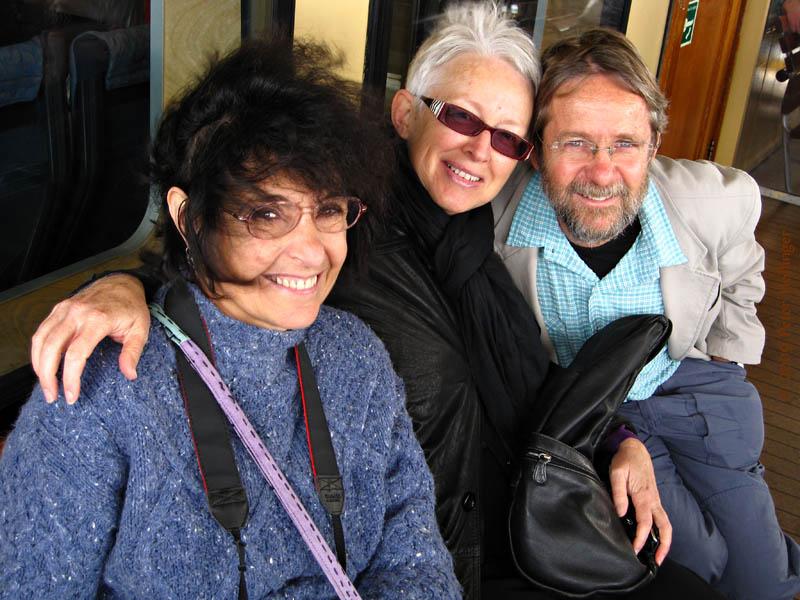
{"x":463,"y":174}
{"x":296,"y":284}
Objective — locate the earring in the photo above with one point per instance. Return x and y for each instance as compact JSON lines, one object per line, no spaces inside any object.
{"x":189,"y":260}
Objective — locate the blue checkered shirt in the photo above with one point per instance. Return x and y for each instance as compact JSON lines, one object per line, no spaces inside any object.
{"x":575,"y":303}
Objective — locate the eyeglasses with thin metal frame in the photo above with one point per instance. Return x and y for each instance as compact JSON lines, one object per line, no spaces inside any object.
{"x":275,"y":219}
{"x":464,"y":122}
{"x":623,"y":151}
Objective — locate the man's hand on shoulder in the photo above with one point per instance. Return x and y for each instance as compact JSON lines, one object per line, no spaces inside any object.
{"x":114,"y":307}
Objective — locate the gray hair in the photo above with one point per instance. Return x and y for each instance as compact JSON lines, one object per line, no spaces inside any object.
{"x":472,"y":28}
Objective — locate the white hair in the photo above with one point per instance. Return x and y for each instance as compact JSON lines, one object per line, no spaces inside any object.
{"x":478,"y":28}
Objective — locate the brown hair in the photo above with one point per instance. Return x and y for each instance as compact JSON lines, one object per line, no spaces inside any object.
{"x":592,"y":52}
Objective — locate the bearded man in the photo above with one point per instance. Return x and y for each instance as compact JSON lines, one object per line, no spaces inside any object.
{"x":601,"y":229}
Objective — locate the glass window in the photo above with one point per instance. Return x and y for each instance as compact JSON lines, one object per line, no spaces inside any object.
{"x":74,"y":121}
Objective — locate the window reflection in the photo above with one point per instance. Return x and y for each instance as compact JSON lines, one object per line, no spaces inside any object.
{"x":74,"y":99}
{"x":74,"y":111}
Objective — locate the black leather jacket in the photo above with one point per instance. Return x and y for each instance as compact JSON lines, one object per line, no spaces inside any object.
{"x":403,"y":304}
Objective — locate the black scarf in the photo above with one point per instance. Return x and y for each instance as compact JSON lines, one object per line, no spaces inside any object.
{"x":500,"y":333}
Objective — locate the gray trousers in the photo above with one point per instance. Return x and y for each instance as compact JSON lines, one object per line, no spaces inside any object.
{"x":704,"y":429}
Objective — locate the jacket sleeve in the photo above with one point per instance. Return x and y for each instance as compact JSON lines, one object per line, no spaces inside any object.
{"x":61,"y":479}
{"x":711,"y":299}
{"x":150,"y":279}
{"x":737,"y":334}
{"x":411,"y":560}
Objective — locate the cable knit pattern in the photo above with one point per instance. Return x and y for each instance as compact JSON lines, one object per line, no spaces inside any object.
{"x":104,"y":498}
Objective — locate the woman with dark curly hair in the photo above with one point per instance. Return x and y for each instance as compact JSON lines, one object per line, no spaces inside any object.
{"x":259,"y":169}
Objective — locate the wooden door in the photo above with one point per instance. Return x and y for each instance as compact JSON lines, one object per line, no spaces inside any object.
{"x":696,"y":76}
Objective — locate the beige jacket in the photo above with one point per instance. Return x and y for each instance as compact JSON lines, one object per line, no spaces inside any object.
{"x":711,"y":298}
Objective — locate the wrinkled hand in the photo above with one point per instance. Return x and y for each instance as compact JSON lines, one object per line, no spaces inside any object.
{"x":632,"y":474}
{"x":113,"y":306}
{"x":792,"y":10}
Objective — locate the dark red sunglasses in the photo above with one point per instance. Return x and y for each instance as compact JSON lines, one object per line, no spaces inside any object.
{"x":464,"y":122}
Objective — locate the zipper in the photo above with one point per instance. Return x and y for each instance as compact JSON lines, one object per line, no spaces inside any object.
{"x":543,"y":459}
{"x":540,"y":469}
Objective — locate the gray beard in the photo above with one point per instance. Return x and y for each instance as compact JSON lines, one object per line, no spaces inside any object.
{"x":573,"y":217}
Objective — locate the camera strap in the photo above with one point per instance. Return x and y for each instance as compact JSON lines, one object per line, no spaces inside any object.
{"x":327,"y":479}
{"x":220,"y":477}
{"x":225,"y":494}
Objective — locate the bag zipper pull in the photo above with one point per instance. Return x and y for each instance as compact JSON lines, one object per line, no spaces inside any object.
{"x":540,"y":470}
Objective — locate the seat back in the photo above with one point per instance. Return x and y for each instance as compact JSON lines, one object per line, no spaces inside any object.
{"x":109,"y":79}
{"x":33,"y":136}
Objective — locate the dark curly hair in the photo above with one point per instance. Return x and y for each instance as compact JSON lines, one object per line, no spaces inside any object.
{"x":269,"y":108}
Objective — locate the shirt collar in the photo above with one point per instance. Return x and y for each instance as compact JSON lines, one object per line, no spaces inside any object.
{"x":534,"y":223}
{"x":535,"y":226}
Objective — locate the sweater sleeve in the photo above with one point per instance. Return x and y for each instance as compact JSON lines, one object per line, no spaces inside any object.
{"x":61,"y":481}
{"x":411,"y":560}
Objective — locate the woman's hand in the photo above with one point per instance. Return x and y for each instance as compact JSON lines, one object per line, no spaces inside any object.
{"x":113,"y":306}
{"x":632,"y":474}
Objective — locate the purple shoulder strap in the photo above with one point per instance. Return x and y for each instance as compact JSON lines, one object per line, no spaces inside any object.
{"x":291,"y":503}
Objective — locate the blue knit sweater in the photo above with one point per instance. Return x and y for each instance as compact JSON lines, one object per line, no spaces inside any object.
{"x":104,"y":498}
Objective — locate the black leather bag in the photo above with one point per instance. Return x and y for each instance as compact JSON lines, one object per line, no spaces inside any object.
{"x":564,"y":532}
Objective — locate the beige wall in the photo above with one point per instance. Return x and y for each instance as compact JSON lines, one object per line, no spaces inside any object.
{"x":341,"y":24}
{"x":193,"y":31}
{"x":646,"y":23}
{"x":216,"y":26}
{"x":753,"y":21}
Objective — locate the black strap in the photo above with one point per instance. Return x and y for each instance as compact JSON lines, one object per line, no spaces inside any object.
{"x":327,"y":479}
{"x":225,"y":494}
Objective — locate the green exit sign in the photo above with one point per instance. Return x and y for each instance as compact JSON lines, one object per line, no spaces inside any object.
{"x":688,"y":24}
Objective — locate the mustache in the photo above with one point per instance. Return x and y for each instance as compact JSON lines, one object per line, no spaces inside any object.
{"x":587,"y":188}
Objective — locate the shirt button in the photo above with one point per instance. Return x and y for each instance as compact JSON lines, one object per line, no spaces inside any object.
{"x":468,"y":501}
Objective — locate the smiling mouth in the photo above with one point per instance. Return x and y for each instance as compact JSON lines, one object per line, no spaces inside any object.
{"x":596,"y":198}
{"x":599,"y":194}
{"x":463,"y":174}
{"x":295,"y":283}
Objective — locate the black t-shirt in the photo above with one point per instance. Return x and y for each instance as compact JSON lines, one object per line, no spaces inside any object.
{"x":602,"y":259}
